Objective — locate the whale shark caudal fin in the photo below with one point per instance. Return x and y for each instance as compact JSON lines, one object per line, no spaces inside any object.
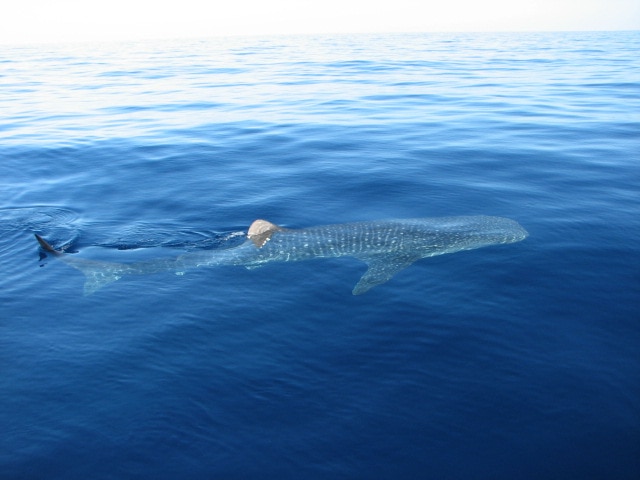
{"x":97,"y":274}
{"x":381,"y":269}
{"x":46,"y":246}
{"x":260,"y":232}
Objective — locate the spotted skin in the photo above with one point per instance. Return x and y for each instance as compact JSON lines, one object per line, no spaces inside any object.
{"x":386,"y":246}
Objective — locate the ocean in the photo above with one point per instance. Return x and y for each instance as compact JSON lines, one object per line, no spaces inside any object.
{"x":510,"y":361}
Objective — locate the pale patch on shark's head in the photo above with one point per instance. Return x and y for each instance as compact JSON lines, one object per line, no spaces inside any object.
{"x":260,"y":232}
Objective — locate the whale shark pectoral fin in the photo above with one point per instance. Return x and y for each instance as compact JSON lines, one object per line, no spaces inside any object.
{"x":96,"y":279}
{"x":260,"y":232}
{"x":381,"y":269}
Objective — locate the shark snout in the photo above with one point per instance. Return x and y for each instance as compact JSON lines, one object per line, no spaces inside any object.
{"x":503,"y":230}
{"x":516,"y":233}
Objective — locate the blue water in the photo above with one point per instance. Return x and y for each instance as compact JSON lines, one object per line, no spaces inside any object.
{"x":513,"y":361}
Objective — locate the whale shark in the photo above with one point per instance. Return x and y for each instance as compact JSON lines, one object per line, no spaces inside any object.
{"x":386,"y":246}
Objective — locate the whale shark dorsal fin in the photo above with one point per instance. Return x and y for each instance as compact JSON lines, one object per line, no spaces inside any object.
{"x":260,"y":232}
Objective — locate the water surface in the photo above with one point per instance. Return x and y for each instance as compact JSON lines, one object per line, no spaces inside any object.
{"x":515,"y":361}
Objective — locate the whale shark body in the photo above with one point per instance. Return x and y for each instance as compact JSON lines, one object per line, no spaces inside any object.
{"x":386,"y":246}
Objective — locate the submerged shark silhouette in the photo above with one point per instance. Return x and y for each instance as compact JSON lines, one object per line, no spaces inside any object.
{"x":387,"y":247}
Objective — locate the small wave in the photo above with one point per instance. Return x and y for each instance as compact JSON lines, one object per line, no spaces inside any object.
{"x":145,"y":235}
{"x":41,"y":219}
{"x":36,"y":215}
{"x":57,"y":224}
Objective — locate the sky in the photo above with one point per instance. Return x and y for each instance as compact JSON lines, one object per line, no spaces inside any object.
{"x":37,"y":21}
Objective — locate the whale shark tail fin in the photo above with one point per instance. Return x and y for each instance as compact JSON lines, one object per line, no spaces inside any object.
{"x":46,"y":246}
{"x":97,"y":274}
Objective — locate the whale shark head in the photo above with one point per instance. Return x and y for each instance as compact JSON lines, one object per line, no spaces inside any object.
{"x":493,"y":230}
{"x":452,"y":234}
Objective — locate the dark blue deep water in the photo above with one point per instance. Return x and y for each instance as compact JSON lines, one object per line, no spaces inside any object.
{"x":513,"y":361}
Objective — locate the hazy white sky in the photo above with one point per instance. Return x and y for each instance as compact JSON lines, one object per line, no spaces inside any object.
{"x":71,"y":20}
